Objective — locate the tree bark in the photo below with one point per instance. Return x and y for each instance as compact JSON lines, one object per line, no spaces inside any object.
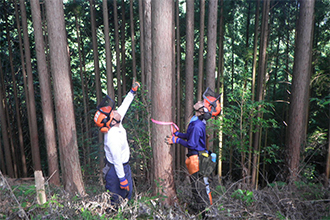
{"x":8,"y":156}
{"x":211,"y":53}
{"x":254,"y":70}
{"x":65,"y":117}
{"x":115,"y":16}
{"x":132,"y":39}
{"x":19,"y":124}
{"x":108,"y":54}
{"x":162,"y":39}
{"x":86,"y":128}
{"x":95,"y":53}
{"x":147,"y":45}
{"x":243,"y":101}
{"x":174,"y":111}
{"x":221,"y":85}
{"x":201,"y":51}
{"x":261,"y":78}
{"x":141,"y":23}
{"x":15,"y":158}
{"x":46,"y":95}
{"x":180,"y":152}
{"x":97,"y":83}
{"x":298,"y":111}
{"x":189,"y":80}
{"x":211,"y":44}
{"x":31,"y":100}
{"x":123,"y":46}
{"x":327,"y":169}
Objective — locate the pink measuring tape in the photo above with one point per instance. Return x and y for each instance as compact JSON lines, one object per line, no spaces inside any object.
{"x":166,"y":123}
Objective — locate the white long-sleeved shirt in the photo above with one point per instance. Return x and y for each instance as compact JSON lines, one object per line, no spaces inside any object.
{"x":115,"y":141}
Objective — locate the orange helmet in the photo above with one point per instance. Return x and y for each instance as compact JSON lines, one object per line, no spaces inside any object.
{"x":212,"y":105}
{"x":103,"y":117}
{"x":104,"y":114}
{"x":211,"y":102}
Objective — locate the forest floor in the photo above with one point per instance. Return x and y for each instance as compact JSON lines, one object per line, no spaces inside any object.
{"x":231,"y":200}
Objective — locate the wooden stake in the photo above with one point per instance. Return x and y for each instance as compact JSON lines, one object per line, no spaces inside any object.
{"x":40,"y":187}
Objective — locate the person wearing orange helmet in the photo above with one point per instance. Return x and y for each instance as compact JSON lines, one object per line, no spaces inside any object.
{"x":117,"y":171}
{"x":195,"y":140}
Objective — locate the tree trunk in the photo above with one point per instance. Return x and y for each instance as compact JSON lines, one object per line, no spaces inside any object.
{"x":211,"y":44}
{"x":254,"y":70}
{"x":285,"y":109}
{"x":115,"y":16}
{"x":95,"y":53}
{"x":327,"y":169}
{"x":243,"y":121}
{"x":141,"y":23}
{"x":148,"y":67}
{"x":2,"y":156}
{"x":9,"y":119}
{"x":108,"y":54}
{"x":147,"y":45}
{"x":180,"y":151}
{"x":16,"y":158}
{"x":211,"y":54}
{"x":162,"y":39}
{"x":31,"y":100}
{"x":261,"y":79}
{"x":247,"y":36}
{"x":298,"y":111}
{"x":19,"y":124}
{"x":173,"y":150}
{"x":132,"y":38}
{"x":86,"y":129}
{"x":189,"y":100}
{"x":123,"y":47}
{"x":46,"y":95}
{"x":201,"y":51}
{"x":4,"y":127}
{"x":277,"y":65}
{"x":221,"y":85}
{"x":97,"y":84}
{"x":65,"y":117}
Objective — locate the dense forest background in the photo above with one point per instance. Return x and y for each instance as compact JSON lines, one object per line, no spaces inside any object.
{"x":109,"y":44}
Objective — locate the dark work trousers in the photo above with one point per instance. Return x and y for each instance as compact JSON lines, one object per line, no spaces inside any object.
{"x":113,"y":185}
{"x":199,"y":191}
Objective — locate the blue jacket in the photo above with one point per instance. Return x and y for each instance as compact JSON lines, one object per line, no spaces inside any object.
{"x":195,"y":136}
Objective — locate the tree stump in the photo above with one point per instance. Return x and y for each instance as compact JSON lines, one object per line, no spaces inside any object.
{"x":40,"y":187}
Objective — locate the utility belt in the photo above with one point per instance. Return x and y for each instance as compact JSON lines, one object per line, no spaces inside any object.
{"x":200,"y":161}
{"x":108,"y":166}
{"x":192,"y":152}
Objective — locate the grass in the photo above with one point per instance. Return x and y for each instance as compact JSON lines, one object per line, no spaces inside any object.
{"x":231,"y":200}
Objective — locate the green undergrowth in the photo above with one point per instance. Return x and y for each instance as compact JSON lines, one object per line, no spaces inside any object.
{"x":231,"y":200}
